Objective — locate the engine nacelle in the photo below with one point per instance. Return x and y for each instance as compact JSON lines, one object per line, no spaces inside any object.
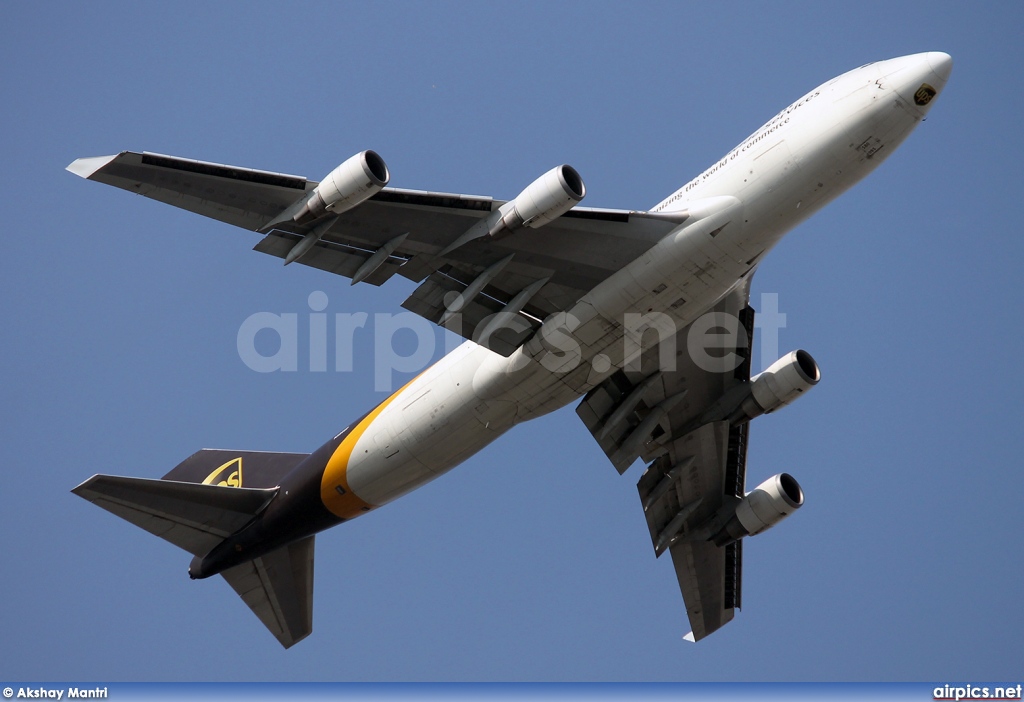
{"x":354,"y":181}
{"x":784,"y":381}
{"x":544,"y":200}
{"x":762,"y":508}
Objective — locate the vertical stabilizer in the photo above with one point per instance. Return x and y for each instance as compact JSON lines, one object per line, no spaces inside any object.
{"x":253,"y":469}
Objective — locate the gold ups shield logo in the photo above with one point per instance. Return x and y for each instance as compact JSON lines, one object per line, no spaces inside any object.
{"x":228,"y":475}
{"x":924,"y":94}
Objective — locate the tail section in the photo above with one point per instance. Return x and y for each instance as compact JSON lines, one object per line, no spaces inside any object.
{"x":209,"y":497}
{"x":251,"y":469}
{"x":278,"y":588}
{"x":190,"y":516}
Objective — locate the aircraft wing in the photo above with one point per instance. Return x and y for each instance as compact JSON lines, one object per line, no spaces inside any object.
{"x":696,"y":466}
{"x":530,"y":272}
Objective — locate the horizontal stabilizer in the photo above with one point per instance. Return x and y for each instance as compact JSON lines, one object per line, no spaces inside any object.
{"x":278,"y":588}
{"x":191,"y":516}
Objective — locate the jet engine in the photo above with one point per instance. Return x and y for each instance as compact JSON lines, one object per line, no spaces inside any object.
{"x":762,"y":508}
{"x":354,"y":181}
{"x":544,"y":200}
{"x":783,"y":381}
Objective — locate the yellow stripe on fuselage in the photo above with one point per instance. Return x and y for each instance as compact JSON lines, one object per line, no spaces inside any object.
{"x":349,"y":505}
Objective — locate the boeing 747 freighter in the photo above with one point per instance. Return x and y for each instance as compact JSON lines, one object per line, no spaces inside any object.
{"x":642,"y":314}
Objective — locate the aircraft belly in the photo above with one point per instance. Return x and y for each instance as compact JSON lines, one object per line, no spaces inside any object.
{"x":377,"y":479}
{"x":470,"y":400}
{"x":430,"y":429}
{"x":688,"y":258}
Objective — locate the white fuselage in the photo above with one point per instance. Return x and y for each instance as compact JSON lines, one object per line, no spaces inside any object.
{"x":802,"y":158}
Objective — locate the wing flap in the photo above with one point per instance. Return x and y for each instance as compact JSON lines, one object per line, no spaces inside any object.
{"x":330,"y":256}
{"x":278,"y":588}
{"x":609,"y":421}
{"x":666,"y":372}
{"x":690,"y":477}
{"x":708,"y":575}
{"x":700,"y":568}
{"x":656,"y":410}
{"x":429,"y":300}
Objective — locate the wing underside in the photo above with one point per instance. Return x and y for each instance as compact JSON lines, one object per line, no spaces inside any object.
{"x":696,"y":468}
{"x":528,"y":274}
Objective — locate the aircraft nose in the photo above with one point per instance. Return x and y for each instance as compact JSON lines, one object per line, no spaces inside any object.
{"x":941,"y":64}
{"x":919,"y":78}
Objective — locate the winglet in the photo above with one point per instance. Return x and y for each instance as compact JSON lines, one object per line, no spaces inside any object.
{"x":86,"y":167}
{"x":689,"y":637}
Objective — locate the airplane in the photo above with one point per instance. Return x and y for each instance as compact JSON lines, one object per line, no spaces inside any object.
{"x":558,"y":303}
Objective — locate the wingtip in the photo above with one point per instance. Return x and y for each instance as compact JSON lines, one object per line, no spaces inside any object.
{"x":86,"y":167}
{"x":287,"y":641}
{"x":82,"y":488}
{"x":689,"y":637}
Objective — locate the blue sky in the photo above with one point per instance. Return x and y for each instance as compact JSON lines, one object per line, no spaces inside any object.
{"x":531,"y":561}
